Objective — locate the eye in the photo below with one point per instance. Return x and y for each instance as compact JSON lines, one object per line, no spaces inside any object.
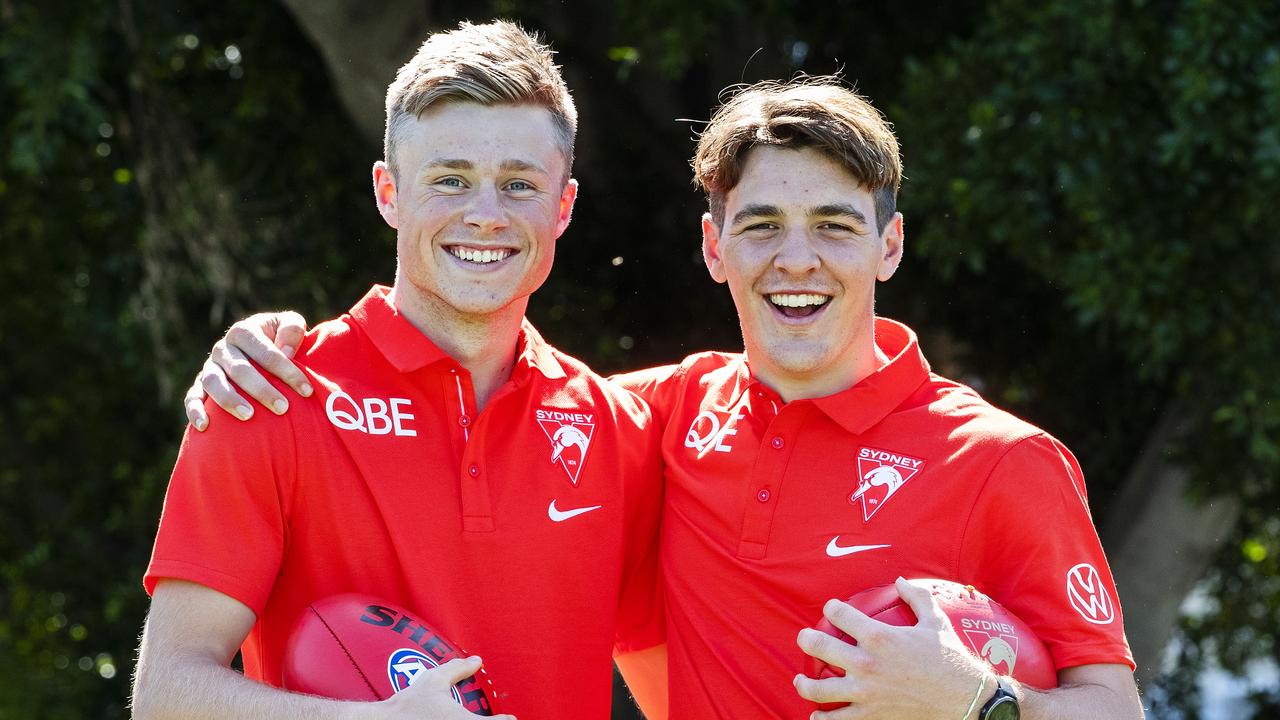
{"x":451,"y":181}
{"x":760,"y":227}
{"x":519,"y":186}
{"x":836,"y":228}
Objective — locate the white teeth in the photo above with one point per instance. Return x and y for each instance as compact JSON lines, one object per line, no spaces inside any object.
{"x":797,"y":299}
{"x":479,"y":256}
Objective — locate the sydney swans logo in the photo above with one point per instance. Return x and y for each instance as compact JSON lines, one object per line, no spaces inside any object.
{"x":570,"y":435}
{"x":880,"y":475}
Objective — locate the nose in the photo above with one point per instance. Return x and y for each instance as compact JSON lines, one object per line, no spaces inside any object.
{"x":485,"y":212}
{"x":796,"y":254}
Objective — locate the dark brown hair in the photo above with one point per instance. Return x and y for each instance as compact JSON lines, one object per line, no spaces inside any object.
{"x":816,"y":112}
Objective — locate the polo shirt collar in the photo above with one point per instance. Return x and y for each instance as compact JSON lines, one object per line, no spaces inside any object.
{"x":408,"y":350}
{"x":534,"y":352}
{"x":860,"y":407}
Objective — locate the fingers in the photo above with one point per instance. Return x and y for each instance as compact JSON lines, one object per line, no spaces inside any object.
{"x":236,"y":368}
{"x":923,"y":603}
{"x":848,"y":712}
{"x":194,"y":404}
{"x":453,"y":672}
{"x":855,"y":623}
{"x":251,"y":341}
{"x":214,"y":381}
{"x":290,"y":329}
{"x":826,"y":690}
{"x":830,"y":650}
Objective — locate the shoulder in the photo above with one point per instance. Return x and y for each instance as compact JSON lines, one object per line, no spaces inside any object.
{"x":327,"y":339}
{"x":664,"y":385}
{"x":966,"y":416}
{"x":693,"y":366}
{"x":581,"y":384}
{"x":1005,"y":444}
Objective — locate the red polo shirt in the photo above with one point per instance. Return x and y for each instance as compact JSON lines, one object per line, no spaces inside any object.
{"x":773,"y":508}
{"x":525,"y":533}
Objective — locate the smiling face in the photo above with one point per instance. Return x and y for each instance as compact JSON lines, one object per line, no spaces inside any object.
{"x":801,"y":254}
{"x":478,"y":203}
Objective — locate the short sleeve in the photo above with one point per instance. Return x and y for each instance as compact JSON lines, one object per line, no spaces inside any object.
{"x":641,"y":622}
{"x":1031,"y":545}
{"x":657,"y":386}
{"x":225,"y":513}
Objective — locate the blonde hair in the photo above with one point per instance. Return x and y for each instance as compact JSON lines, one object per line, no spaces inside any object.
{"x":817,"y":112}
{"x":495,"y":63}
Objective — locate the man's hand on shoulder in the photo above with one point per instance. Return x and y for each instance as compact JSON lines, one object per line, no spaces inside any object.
{"x":268,"y":339}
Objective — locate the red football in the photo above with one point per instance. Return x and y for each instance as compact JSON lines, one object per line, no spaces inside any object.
{"x":352,"y":647}
{"x":986,"y":628}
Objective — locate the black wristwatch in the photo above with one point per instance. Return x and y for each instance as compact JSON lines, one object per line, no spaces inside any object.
{"x":1004,"y":706}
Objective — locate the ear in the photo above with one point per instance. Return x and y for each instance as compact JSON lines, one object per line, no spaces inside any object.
{"x":568,"y":197}
{"x":892,"y":241}
{"x":711,"y":249}
{"x":384,"y":193}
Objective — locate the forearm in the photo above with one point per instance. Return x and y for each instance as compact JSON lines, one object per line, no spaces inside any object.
{"x":645,"y":673}
{"x":195,"y":688}
{"x":1084,"y":698}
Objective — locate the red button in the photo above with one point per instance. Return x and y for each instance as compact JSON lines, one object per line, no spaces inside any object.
{"x":474,"y":471}
{"x":763,"y":495}
{"x":465,"y":421}
{"x":777,"y":442}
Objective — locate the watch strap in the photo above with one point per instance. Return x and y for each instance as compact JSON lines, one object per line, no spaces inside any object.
{"x":1004,"y":699}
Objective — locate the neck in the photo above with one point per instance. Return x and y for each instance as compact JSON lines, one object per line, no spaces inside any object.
{"x":866,"y":358}
{"x":484,"y":344}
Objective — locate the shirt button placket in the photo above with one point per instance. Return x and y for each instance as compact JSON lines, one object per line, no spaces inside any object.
{"x":759,"y":520}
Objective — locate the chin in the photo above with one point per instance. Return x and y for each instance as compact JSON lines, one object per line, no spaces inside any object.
{"x":797,"y":360}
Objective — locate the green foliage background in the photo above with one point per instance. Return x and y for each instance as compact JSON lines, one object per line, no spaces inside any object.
{"x":1091,"y":218}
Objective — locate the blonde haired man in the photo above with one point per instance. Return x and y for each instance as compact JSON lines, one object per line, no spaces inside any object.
{"x":427,"y":468}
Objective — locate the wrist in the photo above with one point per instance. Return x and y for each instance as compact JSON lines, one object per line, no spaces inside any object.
{"x":986,"y":683}
{"x":356,"y":711}
{"x":1003,"y":703}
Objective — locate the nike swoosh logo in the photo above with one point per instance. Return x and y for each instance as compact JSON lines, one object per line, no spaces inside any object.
{"x":835,"y":550}
{"x":558,"y":515}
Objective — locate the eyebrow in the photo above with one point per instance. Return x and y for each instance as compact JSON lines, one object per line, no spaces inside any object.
{"x":451,"y":163}
{"x":752,"y":211}
{"x":839,"y":210}
{"x":521,"y":166}
{"x":828,"y":210}
{"x":506,"y":166}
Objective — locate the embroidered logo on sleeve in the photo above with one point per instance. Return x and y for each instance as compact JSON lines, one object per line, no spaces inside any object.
{"x":570,"y":435}
{"x":1089,"y":596}
{"x":881,"y":474}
